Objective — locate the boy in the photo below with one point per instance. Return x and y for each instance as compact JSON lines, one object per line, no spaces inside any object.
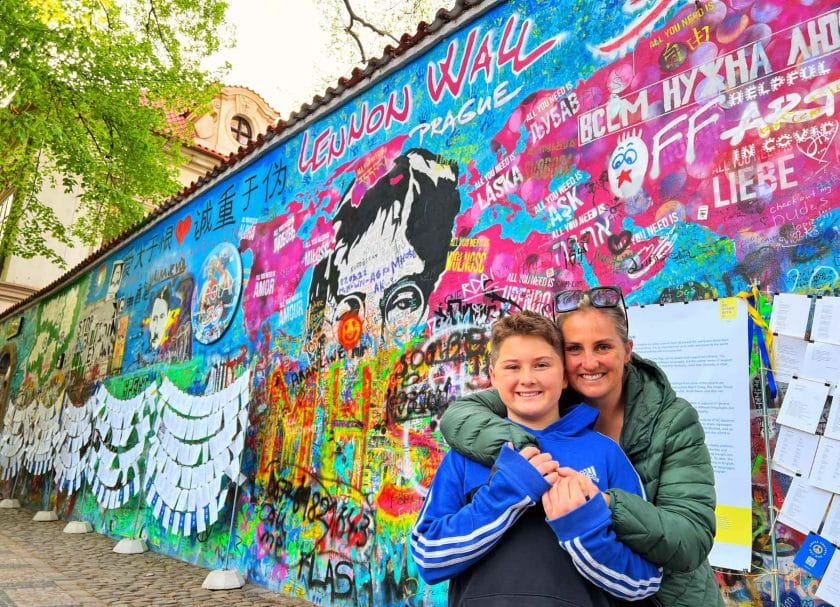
{"x":479,"y":527}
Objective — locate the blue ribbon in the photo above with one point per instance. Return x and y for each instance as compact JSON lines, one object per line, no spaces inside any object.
{"x":754,"y":331}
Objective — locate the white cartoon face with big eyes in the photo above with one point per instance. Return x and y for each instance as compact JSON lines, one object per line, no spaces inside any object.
{"x":628,"y":165}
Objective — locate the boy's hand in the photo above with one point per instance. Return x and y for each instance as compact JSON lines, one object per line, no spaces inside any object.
{"x":572,"y":490}
{"x":587,"y":486}
{"x":543,"y":462}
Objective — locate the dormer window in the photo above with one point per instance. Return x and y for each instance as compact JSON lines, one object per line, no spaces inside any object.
{"x":241,"y":129}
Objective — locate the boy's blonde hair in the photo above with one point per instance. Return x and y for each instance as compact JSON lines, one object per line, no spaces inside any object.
{"x":525,"y":322}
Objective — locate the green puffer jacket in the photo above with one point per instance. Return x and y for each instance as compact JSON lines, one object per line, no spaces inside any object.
{"x":664,"y":440}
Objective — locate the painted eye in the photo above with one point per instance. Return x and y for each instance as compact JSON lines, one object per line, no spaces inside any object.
{"x":617,"y":160}
{"x":630,"y":156}
{"x":354,"y":303}
{"x":403,"y":301}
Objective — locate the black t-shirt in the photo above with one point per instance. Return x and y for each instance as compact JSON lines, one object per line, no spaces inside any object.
{"x":527,"y":568}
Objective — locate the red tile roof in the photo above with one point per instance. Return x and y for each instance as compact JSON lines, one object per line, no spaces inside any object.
{"x":209,"y":151}
{"x":179,"y":125}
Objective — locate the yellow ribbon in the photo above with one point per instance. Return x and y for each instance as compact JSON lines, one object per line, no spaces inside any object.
{"x":766,"y":333}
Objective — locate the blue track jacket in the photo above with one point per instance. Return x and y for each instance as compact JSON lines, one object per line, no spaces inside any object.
{"x":453,"y":532}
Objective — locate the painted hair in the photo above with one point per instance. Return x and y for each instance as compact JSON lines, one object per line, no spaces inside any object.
{"x":616,"y":315}
{"x":420,"y":198}
{"x":527,"y":323}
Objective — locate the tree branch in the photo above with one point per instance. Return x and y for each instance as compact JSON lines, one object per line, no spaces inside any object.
{"x":358,"y":41}
{"x":87,"y":128}
{"x":364,"y":22}
{"x":153,"y":14}
{"x":107,"y":16}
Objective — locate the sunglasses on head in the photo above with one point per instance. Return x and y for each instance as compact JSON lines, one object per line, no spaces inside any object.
{"x":599,"y":297}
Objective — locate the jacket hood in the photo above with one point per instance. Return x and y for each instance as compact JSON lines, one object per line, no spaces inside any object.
{"x":647,"y":392}
{"x":575,"y":420}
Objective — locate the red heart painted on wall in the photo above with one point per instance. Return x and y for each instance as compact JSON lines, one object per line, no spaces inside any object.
{"x":183,"y":228}
{"x":618,"y":242}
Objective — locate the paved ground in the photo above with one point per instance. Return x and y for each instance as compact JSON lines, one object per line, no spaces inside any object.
{"x":40,"y":566}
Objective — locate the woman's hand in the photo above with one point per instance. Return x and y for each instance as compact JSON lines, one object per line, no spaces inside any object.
{"x":571,"y":490}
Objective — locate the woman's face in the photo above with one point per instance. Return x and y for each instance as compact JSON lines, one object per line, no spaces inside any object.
{"x":595,"y":356}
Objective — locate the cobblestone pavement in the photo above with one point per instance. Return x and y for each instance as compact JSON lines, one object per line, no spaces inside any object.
{"x":40,"y":566}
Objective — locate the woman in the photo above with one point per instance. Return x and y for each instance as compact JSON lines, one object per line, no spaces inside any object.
{"x":659,"y":432}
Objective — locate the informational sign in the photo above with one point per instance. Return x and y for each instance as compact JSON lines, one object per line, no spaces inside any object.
{"x":702,"y":347}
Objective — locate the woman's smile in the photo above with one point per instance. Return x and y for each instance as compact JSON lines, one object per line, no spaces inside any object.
{"x":595,"y":356}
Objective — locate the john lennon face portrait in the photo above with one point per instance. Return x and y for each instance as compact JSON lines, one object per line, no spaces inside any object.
{"x":389,"y":250}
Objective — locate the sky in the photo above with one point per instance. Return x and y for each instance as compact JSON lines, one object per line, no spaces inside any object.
{"x":277,"y":45}
{"x":279,"y":49}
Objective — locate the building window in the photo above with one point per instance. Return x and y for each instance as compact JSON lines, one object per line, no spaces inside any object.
{"x":241,"y":129}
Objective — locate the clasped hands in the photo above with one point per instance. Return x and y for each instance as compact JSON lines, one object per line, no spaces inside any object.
{"x":569,"y":488}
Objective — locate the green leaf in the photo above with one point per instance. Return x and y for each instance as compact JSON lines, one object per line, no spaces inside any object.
{"x":85,"y":86}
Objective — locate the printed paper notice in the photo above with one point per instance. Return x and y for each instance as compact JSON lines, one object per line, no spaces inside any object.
{"x":831,"y":526}
{"x":704,"y":354}
{"x":803,"y":404}
{"x":825,"y":472}
{"x":829,"y":588}
{"x":822,"y":363}
{"x":790,"y":314}
{"x":788,"y":354}
{"x":832,"y":426}
{"x":795,"y":450}
{"x":826,"y":320}
{"x":804,"y":506}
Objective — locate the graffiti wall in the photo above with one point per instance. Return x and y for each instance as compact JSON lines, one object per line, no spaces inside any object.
{"x":257,"y":378}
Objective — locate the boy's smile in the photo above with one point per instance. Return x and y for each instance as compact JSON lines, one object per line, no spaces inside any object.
{"x":529,"y":377}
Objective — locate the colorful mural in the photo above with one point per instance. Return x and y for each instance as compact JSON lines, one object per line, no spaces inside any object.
{"x":277,"y":351}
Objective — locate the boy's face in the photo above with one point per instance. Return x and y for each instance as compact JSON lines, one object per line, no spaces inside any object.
{"x":529,"y":376}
